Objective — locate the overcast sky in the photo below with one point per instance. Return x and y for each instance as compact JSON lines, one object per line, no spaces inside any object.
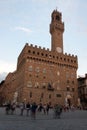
{"x":23,"y":21}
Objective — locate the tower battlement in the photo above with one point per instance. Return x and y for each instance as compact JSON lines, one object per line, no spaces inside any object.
{"x":37,"y":52}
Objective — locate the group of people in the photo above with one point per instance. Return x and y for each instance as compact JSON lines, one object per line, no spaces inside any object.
{"x":10,"y":107}
{"x":32,"y":108}
{"x":29,"y":107}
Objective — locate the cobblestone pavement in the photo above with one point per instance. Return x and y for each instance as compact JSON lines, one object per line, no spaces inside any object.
{"x":72,"y":120}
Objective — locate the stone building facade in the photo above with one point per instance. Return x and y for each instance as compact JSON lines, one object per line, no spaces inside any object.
{"x":82,"y":90}
{"x":43,"y":75}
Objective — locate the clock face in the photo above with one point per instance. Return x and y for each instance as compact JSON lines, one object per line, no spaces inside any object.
{"x":59,"y":50}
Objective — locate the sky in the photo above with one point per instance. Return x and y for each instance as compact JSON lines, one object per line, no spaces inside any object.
{"x":27,"y":21}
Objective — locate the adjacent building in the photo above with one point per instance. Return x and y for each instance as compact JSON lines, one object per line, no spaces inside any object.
{"x":43,"y":75}
{"x":82,"y":90}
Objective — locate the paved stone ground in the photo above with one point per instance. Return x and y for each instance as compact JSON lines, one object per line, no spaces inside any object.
{"x":76,"y":120}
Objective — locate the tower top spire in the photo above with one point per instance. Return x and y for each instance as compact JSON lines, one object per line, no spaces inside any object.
{"x":56,"y":8}
{"x":56,"y":12}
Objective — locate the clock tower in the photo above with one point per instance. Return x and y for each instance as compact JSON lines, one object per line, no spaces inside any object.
{"x":56,"y":30}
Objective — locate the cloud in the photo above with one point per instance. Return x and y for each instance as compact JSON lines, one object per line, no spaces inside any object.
{"x":26,"y":30}
{"x":7,"y":67}
{"x":82,"y":27}
{"x":40,"y":0}
{"x":2,"y":76}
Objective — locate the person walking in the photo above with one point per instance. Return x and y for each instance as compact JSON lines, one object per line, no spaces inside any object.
{"x":44,"y":108}
{"x":22,"y":107}
{"x":27,"y":108}
{"x":57,"y":111}
{"x":8,"y":107}
{"x":33,"y":110}
{"x":47,"y":108}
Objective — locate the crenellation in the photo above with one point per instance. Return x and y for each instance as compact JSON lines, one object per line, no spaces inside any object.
{"x":44,"y":48}
{"x":26,"y":44}
{"x":36,"y":46}
{"x":48,"y":49}
{"x":74,"y":56}
{"x":66,"y":54}
{"x":31,"y":45}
